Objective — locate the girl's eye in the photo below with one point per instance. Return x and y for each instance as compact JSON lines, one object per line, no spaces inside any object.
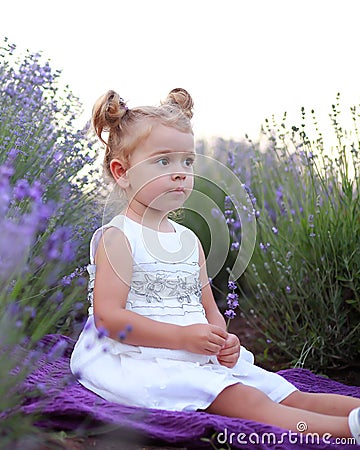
{"x":163,"y":162}
{"x":189,"y":162}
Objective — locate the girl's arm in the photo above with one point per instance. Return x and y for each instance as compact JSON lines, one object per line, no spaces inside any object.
{"x":112,"y":284}
{"x":212,"y":311}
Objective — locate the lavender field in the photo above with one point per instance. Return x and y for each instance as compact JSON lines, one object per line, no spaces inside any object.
{"x":302,"y":286}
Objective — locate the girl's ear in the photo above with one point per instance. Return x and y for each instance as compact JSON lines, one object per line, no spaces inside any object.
{"x":119,"y":173}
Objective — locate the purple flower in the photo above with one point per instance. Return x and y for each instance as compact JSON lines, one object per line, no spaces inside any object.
{"x":59,"y":245}
{"x":57,"y":297}
{"x":21,"y":189}
{"x":58,"y":156}
{"x":102,"y":332}
{"x":6,"y":172}
{"x":232,"y":302}
{"x":122,"y":335}
{"x":274,"y":230}
{"x":230,"y":314}
{"x":279,"y":194}
{"x":15,"y":242}
{"x":31,"y":311}
{"x":57,"y":350}
{"x":264,"y":247}
{"x":66,"y":280}
{"x":36,"y":191}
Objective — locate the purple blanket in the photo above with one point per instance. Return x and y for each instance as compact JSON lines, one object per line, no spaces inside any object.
{"x":66,"y":405}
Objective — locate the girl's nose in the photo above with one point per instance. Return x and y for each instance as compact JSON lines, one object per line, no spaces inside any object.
{"x":178,"y":176}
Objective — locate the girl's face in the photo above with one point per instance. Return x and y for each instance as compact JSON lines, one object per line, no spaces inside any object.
{"x":160,"y":176}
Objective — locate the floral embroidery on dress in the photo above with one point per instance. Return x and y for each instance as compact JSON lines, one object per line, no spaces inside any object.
{"x":155,"y":287}
{"x":183,"y":287}
{"x":161,"y":285}
{"x":150,"y":286}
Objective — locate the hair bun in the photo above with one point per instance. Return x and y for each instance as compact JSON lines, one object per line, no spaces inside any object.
{"x":182,"y":99}
{"x":115,"y":108}
{"x":108,"y":112}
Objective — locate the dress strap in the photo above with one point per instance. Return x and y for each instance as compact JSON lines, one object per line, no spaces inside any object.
{"x":117,"y":222}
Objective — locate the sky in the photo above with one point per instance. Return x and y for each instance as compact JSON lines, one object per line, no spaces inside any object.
{"x":242,"y":61}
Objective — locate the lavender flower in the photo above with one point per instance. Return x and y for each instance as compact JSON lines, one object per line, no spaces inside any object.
{"x":264,"y":247}
{"x":232,"y":301}
{"x":122,"y":335}
{"x":59,"y":245}
{"x":57,"y":350}
{"x":102,"y":332}
{"x":230,"y":314}
{"x":42,"y":198}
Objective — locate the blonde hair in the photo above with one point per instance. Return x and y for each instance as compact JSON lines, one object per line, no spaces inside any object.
{"x":127,"y":127}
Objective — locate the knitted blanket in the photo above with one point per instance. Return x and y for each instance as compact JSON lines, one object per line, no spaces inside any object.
{"x":65,"y":405}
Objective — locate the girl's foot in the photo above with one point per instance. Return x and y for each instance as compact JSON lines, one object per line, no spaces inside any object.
{"x":354,"y":424}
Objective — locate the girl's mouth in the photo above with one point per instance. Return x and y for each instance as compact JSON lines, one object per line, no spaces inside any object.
{"x":178,"y":189}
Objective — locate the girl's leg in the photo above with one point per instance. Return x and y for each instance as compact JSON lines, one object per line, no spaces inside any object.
{"x":331,"y":404}
{"x":247,"y":402}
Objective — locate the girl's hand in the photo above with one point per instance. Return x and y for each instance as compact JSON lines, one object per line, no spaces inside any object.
{"x":205,"y":339}
{"x":229,"y":354}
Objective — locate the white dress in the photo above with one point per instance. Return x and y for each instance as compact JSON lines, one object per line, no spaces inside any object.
{"x":165,"y":287}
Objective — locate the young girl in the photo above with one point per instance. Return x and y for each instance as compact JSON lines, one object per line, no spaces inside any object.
{"x":154,"y":337}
